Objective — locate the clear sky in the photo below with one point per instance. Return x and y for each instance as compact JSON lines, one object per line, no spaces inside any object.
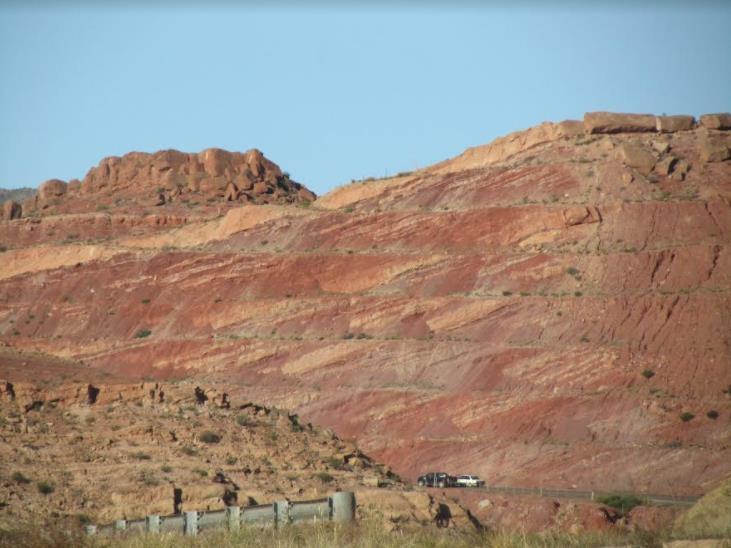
{"x":333,"y":94}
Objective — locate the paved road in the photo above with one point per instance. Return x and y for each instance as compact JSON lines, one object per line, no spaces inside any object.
{"x":659,"y":500}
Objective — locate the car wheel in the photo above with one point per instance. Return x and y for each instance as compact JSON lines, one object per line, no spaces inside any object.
{"x":440,"y":484}
{"x":421,"y":483}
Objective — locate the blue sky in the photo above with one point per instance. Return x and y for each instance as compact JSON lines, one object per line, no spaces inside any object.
{"x":333,"y":94}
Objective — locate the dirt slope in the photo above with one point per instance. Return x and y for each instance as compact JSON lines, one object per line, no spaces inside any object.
{"x":540,"y":311}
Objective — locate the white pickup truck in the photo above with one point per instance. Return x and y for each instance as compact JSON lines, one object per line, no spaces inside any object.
{"x":469,"y":481}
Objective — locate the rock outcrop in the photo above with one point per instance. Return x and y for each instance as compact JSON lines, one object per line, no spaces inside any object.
{"x":11,"y":210}
{"x":716,"y":121}
{"x":174,"y":179}
{"x":612,"y":122}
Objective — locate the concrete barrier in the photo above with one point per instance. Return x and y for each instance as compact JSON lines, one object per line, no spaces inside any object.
{"x":339,"y":508}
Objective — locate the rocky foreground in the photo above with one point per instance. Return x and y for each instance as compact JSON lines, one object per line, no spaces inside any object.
{"x":76,"y":452}
{"x":549,"y":309}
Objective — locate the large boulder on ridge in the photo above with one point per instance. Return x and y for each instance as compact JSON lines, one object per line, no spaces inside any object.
{"x":614,"y":122}
{"x":716,"y":121}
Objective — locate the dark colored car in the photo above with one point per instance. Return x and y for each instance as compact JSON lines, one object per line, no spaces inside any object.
{"x":436,"y":479}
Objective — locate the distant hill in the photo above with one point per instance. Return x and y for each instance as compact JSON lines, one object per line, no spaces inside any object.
{"x":16,"y":194}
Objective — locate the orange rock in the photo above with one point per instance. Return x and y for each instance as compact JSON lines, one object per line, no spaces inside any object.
{"x":612,"y":122}
{"x":716,"y":121}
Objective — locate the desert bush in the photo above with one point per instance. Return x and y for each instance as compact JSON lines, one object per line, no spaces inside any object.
{"x":245,"y":420}
{"x":45,"y":487}
{"x":142,"y":333}
{"x":623,"y":503}
{"x":648,"y":373}
{"x":18,"y":477}
{"x":712,"y":414}
{"x":209,"y":437}
{"x":686,"y":416}
{"x":324,"y":477}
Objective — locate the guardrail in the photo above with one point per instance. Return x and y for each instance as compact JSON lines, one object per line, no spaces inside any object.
{"x":338,"y":507}
{"x":659,"y":500}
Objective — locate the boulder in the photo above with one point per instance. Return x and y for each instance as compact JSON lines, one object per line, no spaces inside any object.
{"x":52,"y":189}
{"x":671,"y":124}
{"x":713,"y":151}
{"x":232,"y":193}
{"x":307,"y":194}
{"x":11,"y":210}
{"x":262,"y":188}
{"x":213,"y":185}
{"x":666,"y":165}
{"x":661,"y":147}
{"x":215,"y":161}
{"x":716,"y":121}
{"x":612,"y":122}
{"x":636,"y":157}
{"x":680,"y":170}
{"x":569,"y":128}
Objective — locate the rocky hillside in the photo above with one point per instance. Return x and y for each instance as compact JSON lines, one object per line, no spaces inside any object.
{"x":549,"y":309}
{"x":103,"y":450}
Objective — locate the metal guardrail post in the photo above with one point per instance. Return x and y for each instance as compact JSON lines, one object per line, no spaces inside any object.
{"x":233,"y":517}
{"x":191,"y":523}
{"x":343,"y":507}
{"x":120,"y":525}
{"x":281,"y":513}
{"x":152,"y":523}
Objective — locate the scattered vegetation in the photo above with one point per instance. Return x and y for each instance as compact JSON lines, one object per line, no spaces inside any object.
{"x":648,"y":373}
{"x":245,"y":420}
{"x":19,"y":478}
{"x":45,"y":487}
{"x":712,"y":414}
{"x":686,"y":416}
{"x":166,"y":469}
{"x":142,"y":333}
{"x":209,"y":437}
{"x":324,"y":477}
{"x":145,"y":301}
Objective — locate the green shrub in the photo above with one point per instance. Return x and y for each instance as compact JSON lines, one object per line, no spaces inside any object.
{"x":142,"y":333}
{"x":45,"y":487}
{"x":145,"y":301}
{"x":18,"y":477}
{"x":712,"y":414}
{"x":188,"y":450}
{"x":324,"y":477}
{"x":507,"y":293}
{"x":245,"y":420}
{"x":141,"y":456}
{"x":686,"y":416}
{"x":578,"y":293}
{"x":648,"y":373}
{"x":572,"y":271}
{"x":209,"y":437}
{"x":166,"y":468}
{"x":623,"y":503}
